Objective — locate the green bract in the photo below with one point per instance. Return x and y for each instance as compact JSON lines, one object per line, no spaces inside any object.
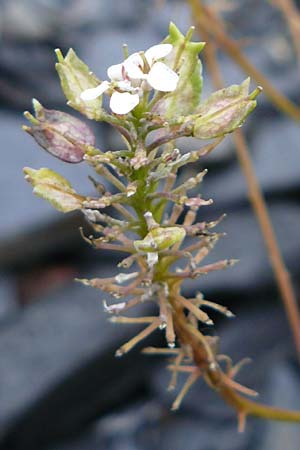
{"x":185,"y":60}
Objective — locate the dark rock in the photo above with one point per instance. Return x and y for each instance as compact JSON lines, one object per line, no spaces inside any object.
{"x":57,"y":351}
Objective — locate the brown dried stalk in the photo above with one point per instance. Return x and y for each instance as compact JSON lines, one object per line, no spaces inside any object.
{"x":206,"y":20}
{"x":292,"y":18}
{"x":255,"y":194}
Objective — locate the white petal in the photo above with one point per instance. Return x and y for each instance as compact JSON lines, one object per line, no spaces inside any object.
{"x":91,"y":94}
{"x":152,"y":258}
{"x":157,"y":52}
{"x":136,"y":59}
{"x":133,"y":71}
{"x":115,"y":308}
{"x":115,"y":72}
{"x":125,"y":85}
{"x":162,"y":78}
{"x":123,"y":102}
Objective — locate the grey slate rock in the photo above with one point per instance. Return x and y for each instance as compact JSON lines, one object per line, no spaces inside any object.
{"x":49,"y":340}
{"x":56,"y":353}
{"x":8,"y":297}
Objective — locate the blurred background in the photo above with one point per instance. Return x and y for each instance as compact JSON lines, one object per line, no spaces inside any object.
{"x":60,"y":386}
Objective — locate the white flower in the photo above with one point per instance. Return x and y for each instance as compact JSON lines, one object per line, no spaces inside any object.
{"x":134,"y":75}
{"x":91,"y":94}
{"x":123,"y":102}
{"x":162,"y":78}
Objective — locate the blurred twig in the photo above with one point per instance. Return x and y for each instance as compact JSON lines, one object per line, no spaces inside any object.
{"x":292,"y":18}
{"x":260,"y":208}
{"x":208,"y":22}
{"x":254,"y":191}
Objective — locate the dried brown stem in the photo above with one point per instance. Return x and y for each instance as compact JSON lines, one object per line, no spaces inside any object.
{"x":258,"y":203}
{"x":177,"y":362}
{"x":139,"y":337}
{"x":118,"y":248}
{"x":189,"y":382}
{"x":206,"y":20}
{"x":122,"y":210}
{"x":201,"y":13}
{"x":185,"y":131}
{"x":292,"y":17}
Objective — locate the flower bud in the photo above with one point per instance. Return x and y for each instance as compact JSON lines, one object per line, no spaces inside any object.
{"x":62,"y":135}
{"x":54,"y":188}
{"x":160,"y":239}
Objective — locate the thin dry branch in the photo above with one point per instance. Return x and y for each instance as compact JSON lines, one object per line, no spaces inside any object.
{"x":254,"y":191}
{"x":292,"y":17}
{"x":206,"y":20}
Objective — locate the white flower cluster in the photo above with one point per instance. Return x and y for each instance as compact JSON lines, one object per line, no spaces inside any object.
{"x":130,"y":79}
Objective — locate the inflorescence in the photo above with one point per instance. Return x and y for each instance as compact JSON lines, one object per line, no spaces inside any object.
{"x":148,"y":215}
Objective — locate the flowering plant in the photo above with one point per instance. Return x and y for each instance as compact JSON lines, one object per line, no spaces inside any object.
{"x":154,"y":99}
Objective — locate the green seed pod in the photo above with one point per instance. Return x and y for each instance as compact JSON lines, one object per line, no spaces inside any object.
{"x":160,"y":239}
{"x":224,"y":111}
{"x":62,"y":135}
